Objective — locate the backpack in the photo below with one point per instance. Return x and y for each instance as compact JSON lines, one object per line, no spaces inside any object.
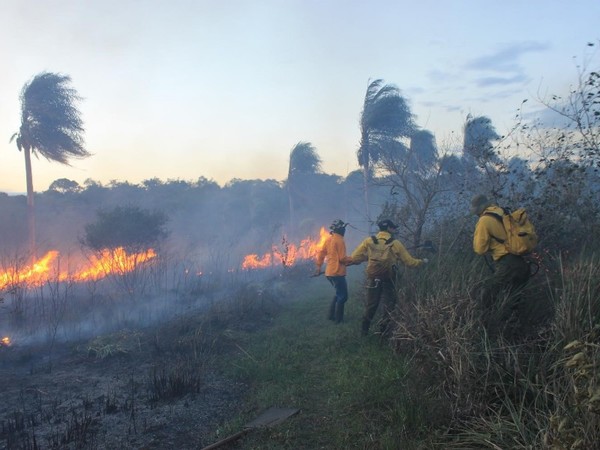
{"x":381,"y":258}
{"x":521,"y":237}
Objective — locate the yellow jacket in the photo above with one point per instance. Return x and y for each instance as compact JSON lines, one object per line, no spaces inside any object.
{"x":361,"y":253}
{"x":334,"y":249}
{"x":488,"y":226}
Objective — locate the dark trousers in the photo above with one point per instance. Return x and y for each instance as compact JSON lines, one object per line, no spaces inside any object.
{"x":341,"y":288}
{"x":336,"y":308}
{"x":378,"y":290}
{"x":511,"y":273}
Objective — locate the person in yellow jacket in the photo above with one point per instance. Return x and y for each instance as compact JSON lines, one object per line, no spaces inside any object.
{"x":334,"y":253}
{"x":511,"y":272}
{"x":380,"y":282}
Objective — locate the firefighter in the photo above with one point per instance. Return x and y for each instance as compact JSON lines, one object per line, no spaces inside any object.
{"x":510,"y":272}
{"x":383,"y":252}
{"x":334,"y":252}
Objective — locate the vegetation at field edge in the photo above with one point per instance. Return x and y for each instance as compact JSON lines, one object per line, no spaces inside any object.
{"x":352,"y":392}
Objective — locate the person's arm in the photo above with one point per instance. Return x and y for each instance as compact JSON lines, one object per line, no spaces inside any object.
{"x":403,"y":255}
{"x":481,"y":237}
{"x":360,"y":254}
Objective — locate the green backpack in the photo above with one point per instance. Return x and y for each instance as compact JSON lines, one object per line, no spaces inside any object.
{"x":521,"y":237}
{"x":382,"y":259}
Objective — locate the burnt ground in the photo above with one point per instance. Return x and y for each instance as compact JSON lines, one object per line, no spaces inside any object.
{"x":153,"y":388}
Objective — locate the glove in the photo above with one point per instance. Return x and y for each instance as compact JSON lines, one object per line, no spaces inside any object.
{"x":425,"y":261}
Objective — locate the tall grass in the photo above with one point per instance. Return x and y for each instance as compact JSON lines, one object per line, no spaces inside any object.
{"x":533,"y":384}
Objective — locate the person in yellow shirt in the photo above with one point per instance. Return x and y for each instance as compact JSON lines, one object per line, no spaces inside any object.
{"x":333,"y":253}
{"x":382,"y":276}
{"x":511,"y":272}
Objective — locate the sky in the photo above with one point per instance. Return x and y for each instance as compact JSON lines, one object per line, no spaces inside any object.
{"x":224,"y":89}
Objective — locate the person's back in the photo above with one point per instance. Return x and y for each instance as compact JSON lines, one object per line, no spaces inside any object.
{"x":382,"y":253}
{"x":487,"y":229}
{"x":510,"y":272}
{"x":334,"y":250}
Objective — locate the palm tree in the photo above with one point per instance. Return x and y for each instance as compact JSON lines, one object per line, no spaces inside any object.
{"x":423,"y":150}
{"x":478,"y":136}
{"x":480,"y":155}
{"x":385,"y":118}
{"x":304,"y":161}
{"x":51,"y":126}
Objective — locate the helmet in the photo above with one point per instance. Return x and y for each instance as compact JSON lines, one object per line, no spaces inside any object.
{"x":337,"y":225}
{"x":385,"y":224}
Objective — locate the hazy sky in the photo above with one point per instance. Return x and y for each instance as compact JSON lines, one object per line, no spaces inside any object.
{"x":179,"y":89}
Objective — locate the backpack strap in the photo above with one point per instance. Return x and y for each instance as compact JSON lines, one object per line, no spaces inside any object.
{"x":387,"y":241}
{"x":498,"y":217}
{"x":494,"y":215}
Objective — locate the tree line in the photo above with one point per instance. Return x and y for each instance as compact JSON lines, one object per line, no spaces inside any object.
{"x":404,"y":175}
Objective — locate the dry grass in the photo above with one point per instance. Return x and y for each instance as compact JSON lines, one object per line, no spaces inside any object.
{"x":534,"y":384}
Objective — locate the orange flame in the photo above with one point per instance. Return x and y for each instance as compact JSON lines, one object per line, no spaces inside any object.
{"x":288,"y":254}
{"x":112,"y":261}
{"x":5,"y":341}
{"x":46,"y":268}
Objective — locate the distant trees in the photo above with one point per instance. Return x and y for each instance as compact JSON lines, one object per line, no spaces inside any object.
{"x":304,"y":161}
{"x":479,"y":134}
{"x":64,"y":186}
{"x":423,"y":152}
{"x":562,"y":145}
{"x":413,"y":174}
{"x":51,"y":126}
{"x":480,"y":157}
{"x":384,"y":119}
{"x":578,"y":137}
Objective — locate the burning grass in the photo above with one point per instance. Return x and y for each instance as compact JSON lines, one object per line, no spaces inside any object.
{"x":287,"y":254}
{"x":48,"y":268}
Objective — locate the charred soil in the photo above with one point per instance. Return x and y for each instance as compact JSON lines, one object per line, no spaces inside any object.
{"x":153,"y":388}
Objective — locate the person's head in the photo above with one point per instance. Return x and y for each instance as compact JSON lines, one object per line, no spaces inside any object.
{"x":338,"y":226}
{"x":387,"y":225}
{"x":479,"y":203}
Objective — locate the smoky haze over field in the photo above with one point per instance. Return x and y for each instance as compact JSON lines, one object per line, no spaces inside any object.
{"x":406,"y":176}
{"x":210,"y":231}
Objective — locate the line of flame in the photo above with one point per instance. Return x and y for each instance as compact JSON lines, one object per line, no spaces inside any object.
{"x":45,"y":269}
{"x":307,"y":249}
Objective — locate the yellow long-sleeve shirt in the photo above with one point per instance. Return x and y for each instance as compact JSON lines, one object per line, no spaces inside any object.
{"x":361,"y":253}
{"x":486,"y":229}
{"x":334,"y":251}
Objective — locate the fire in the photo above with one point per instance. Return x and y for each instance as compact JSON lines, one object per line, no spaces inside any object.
{"x":35,"y":274}
{"x":5,"y":341}
{"x":112,"y":261}
{"x":47,"y":268}
{"x":288,"y":254}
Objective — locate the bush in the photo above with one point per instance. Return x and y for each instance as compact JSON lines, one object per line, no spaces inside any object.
{"x":129,"y":227}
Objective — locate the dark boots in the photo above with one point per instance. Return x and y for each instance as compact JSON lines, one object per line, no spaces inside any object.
{"x":365,"y":327}
{"x":336,"y":312}
{"x":339,"y":312}
{"x":331,"y":314}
